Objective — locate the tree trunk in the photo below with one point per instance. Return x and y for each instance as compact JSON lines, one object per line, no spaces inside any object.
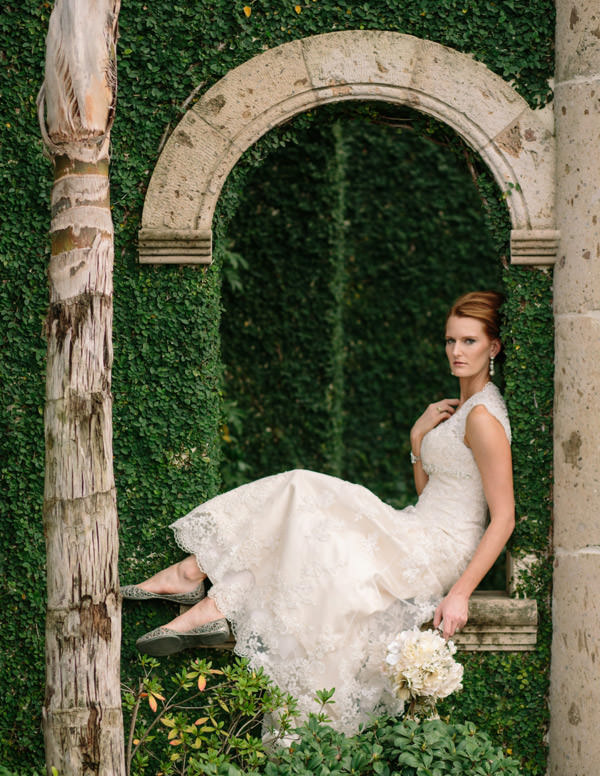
{"x":82,"y":720}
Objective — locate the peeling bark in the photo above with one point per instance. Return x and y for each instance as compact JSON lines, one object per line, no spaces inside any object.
{"x":82,"y":721}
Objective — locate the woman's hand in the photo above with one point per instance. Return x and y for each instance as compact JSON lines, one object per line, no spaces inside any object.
{"x":433,"y":416}
{"x":453,"y":612}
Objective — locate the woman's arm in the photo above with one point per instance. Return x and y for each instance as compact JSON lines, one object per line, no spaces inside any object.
{"x":433,"y":416}
{"x":491,"y":449}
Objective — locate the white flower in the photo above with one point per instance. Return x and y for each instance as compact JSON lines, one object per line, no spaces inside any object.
{"x":421,"y":665}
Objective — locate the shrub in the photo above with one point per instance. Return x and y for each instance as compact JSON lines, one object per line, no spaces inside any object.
{"x":211,"y":724}
{"x":201,"y":718}
{"x":394,"y":747}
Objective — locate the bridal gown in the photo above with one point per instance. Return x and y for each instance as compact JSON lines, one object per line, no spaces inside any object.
{"x":317,"y":575}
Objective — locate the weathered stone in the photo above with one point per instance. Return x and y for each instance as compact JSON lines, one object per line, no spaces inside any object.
{"x":534,"y":246}
{"x":467,"y":87}
{"x":338,"y":60}
{"x":183,"y":174}
{"x":498,"y":623}
{"x":518,"y":567}
{"x":175,"y":246}
{"x":515,"y":141}
{"x":577,"y":280}
{"x":487,"y":638}
{"x":575,"y":680}
{"x":577,"y":431}
{"x":254,"y":89}
{"x":575,"y":677}
{"x":578,"y":38}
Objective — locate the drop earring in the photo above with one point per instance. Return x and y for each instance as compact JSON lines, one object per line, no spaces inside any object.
{"x":492,"y":370}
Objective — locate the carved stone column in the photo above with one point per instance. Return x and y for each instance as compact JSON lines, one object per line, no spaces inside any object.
{"x":575,"y":676}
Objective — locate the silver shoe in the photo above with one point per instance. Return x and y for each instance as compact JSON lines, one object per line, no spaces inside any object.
{"x":164,"y":641}
{"x":135,"y":593}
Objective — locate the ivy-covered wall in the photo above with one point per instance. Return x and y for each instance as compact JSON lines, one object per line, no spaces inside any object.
{"x":331,"y":334}
{"x":168,"y":377}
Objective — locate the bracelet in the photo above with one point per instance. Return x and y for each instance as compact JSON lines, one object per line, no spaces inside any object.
{"x":414,"y":458}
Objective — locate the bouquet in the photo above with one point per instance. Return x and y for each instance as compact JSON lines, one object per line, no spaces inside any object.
{"x":422,"y":670}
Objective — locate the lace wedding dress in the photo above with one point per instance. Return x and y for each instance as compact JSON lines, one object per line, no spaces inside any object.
{"x":317,"y":575}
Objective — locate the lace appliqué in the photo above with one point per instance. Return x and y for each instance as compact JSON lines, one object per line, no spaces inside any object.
{"x":443,"y":450}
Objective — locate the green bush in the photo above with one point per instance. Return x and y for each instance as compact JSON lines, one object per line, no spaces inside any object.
{"x":200,"y":718}
{"x":205,"y":720}
{"x":5,"y":772}
{"x":394,"y":747}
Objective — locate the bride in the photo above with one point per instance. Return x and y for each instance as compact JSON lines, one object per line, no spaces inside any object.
{"x":315,"y":575}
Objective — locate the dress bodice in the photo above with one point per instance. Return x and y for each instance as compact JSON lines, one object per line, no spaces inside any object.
{"x":454,"y":490}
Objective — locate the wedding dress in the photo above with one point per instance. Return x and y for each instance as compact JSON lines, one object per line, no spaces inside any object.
{"x":317,"y":575}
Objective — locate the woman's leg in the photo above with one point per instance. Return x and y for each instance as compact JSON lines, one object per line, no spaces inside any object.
{"x":199,"y":614}
{"x":182,"y":577}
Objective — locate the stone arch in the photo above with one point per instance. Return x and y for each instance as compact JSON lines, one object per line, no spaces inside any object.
{"x":516,"y":142}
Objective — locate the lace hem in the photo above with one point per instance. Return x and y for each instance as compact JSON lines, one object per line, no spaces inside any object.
{"x":354,"y":667}
{"x":317,"y":576}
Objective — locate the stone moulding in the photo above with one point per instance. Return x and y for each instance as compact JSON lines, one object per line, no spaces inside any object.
{"x":516,"y":142}
{"x":175,"y":246}
{"x":534,"y":246}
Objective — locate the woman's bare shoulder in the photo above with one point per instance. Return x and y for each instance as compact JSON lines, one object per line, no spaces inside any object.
{"x":483,"y":426}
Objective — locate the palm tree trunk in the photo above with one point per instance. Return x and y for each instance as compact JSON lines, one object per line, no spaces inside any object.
{"x":82,"y":719}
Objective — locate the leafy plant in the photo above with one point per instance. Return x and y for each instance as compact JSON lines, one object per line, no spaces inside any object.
{"x":210,"y":723}
{"x":202,"y":717}
{"x":392,"y":747}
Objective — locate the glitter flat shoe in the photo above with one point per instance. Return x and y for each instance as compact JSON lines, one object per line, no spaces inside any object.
{"x":135,"y":593}
{"x":164,"y":641}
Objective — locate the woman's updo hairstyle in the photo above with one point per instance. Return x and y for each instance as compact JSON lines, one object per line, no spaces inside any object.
{"x":482,"y":305}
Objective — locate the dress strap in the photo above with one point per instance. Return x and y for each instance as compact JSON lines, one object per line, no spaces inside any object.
{"x":491,"y":398}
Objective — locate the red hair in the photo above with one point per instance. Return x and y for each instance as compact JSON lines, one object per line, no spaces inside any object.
{"x":484,"y":306}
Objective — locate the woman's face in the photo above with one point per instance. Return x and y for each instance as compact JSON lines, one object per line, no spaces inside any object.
{"x":468,"y":347}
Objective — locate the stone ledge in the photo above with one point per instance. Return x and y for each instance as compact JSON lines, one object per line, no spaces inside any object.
{"x":498,"y":623}
{"x":175,"y":246}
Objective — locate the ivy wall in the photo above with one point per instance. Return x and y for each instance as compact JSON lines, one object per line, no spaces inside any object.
{"x":343,"y":347}
{"x":332,"y":334}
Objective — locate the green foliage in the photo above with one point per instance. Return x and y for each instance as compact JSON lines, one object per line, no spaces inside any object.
{"x":392,"y":747}
{"x":167,"y":371}
{"x":201,"y":718}
{"x":529,"y":370}
{"x":24,"y":198}
{"x":514,"y":41}
{"x":216,"y":729}
{"x":6,"y":772}
{"x":505,"y":694}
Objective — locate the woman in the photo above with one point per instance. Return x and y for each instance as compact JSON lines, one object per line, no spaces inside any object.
{"x":317,"y":575}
